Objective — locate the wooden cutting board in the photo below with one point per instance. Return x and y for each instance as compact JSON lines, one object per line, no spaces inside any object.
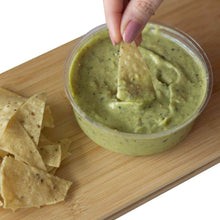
{"x":107,"y":184}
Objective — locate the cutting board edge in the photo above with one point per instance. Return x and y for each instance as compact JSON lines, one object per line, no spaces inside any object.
{"x":163,"y":189}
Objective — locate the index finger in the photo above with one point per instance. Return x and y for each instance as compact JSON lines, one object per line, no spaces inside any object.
{"x":113,"y":14}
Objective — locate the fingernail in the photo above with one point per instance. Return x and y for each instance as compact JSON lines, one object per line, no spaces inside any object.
{"x":131,"y":31}
{"x":112,"y":40}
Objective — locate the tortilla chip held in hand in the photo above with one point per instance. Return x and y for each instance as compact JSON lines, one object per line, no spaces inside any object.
{"x":134,"y":78}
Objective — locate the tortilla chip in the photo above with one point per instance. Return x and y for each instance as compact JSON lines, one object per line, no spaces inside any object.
{"x":16,"y":141}
{"x":3,"y":153}
{"x":51,"y":154}
{"x":134,"y":79}
{"x":24,"y":186}
{"x":44,"y":140}
{"x":49,"y":168}
{"x":52,"y":170}
{"x":65,"y":145}
{"x":30,"y":115}
{"x":1,"y":200}
{"x":48,"y":120}
{"x":9,"y":104}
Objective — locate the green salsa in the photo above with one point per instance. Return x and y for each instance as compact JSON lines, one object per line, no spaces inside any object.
{"x":178,"y":76}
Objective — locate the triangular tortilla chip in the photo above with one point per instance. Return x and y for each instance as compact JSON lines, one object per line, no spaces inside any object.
{"x":16,"y":141}
{"x":48,"y":120}
{"x":51,"y":154}
{"x":65,"y":145}
{"x":9,"y":104}
{"x":134,"y":79}
{"x":1,"y":204}
{"x":23,"y":186}
{"x":44,"y":140}
{"x":30,"y":115}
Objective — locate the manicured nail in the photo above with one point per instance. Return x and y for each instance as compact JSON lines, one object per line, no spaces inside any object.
{"x":112,"y":40}
{"x":131,"y":31}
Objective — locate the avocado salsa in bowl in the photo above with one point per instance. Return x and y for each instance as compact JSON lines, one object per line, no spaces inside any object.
{"x":181,"y":76}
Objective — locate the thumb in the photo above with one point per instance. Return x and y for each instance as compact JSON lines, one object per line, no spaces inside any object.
{"x":135,"y":17}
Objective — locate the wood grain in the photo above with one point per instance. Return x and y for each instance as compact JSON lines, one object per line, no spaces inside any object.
{"x":107,"y":184}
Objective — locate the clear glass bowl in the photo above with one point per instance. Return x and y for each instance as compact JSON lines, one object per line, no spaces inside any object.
{"x":138,"y":144}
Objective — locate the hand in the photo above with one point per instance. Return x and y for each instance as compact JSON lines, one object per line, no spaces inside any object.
{"x":127,"y":18}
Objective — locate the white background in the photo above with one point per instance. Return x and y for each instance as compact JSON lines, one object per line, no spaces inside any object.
{"x":30,"y":28}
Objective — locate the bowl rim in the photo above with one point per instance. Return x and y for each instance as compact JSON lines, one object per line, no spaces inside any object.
{"x":200,"y":52}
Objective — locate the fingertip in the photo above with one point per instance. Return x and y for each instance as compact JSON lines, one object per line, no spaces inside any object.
{"x":118,"y":39}
{"x":115,"y":37}
{"x":113,"y":14}
{"x":112,"y":39}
